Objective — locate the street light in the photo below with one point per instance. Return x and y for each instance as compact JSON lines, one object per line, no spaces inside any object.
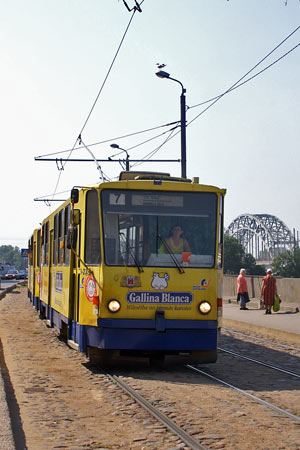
{"x":127,"y":156}
{"x":163,"y":74}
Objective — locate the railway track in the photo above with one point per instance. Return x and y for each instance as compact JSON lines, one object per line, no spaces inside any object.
{"x":207,"y":397}
{"x":185,"y":437}
{"x":258,"y":339}
{"x":261,"y":363}
{"x":63,"y":402}
{"x":243,"y":392}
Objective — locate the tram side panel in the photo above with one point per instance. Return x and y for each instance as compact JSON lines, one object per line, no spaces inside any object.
{"x":61,"y":270}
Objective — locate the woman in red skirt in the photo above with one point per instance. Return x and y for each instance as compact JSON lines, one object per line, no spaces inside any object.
{"x":268,"y":291}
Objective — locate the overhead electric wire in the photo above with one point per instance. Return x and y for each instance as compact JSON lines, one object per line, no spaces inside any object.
{"x":251,"y":70}
{"x":153,"y":152}
{"x":144,"y":142}
{"x":49,"y":195}
{"x":108,"y":140}
{"x":246,"y":81}
{"x":234,"y":86}
{"x":99,"y":93}
{"x":238,"y":84}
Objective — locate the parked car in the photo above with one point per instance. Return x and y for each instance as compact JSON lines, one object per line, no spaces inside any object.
{"x":11,"y":275}
{"x":22,"y":275}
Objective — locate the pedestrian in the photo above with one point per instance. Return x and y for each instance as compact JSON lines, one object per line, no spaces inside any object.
{"x":268,"y":291}
{"x":242,"y":289}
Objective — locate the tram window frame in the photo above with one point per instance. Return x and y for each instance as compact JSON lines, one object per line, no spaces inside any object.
{"x":161,"y":205}
{"x":55,"y":241}
{"x":220,"y":249}
{"x":92,"y":237}
{"x":38,"y":248}
{"x":60,"y":249}
{"x":67,"y":216}
{"x":29,"y":252}
{"x":30,"y":246}
{"x":34,"y":255}
{"x":45,"y":243}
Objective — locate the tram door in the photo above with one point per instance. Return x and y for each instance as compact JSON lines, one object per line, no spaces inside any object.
{"x":75,"y":284}
{"x":51,"y":273}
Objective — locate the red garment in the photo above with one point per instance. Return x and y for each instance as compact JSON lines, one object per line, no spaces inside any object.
{"x":269,"y":289}
{"x":241,"y":284}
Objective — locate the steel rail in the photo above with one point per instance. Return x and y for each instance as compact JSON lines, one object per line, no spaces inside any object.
{"x":262,"y":339}
{"x":183,"y":435}
{"x":241,"y":391}
{"x":238,"y":355}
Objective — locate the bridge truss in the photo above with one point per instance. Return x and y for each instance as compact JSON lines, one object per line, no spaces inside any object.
{"x":262,"y":235}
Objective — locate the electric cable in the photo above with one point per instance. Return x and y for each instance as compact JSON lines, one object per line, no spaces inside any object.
{"x":93,"y":156}
{"x":99,"y":93}
{"x":143,"y":142}
{"x":233,"y":87}
{"x":118,"y":138}
{"x":254,"y":67}
{"x":153,"y":152}
{"x":238,"y":84}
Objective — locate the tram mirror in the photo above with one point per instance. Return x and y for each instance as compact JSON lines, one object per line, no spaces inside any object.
{"x":76,"y":216}
{"x":71,"y":237}
{"x":74,"y":195}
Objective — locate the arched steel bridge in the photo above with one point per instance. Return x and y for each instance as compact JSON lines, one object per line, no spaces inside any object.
{"x":262,"y":235}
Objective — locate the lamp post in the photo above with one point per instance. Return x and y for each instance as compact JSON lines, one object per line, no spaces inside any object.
{"x":163,"y":74}
{"x":127,"y":155}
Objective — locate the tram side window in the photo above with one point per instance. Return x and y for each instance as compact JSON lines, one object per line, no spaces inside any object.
{"x":30,"y":247}
{"x":45,"y":243}
{"x":66,"y":224}
{"x":92,"y":252}
{"x":221,"y":233}
{"x":60,"y":250}
{"x":38,"y":248}
{"x":55,"y":244}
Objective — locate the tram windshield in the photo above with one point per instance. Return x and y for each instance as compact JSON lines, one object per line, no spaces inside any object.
{"x":159,"y":229}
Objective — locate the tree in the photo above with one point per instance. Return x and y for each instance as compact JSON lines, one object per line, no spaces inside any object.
{"x":287,"y":264}
{"x":233,"y":254}
{"x":235,"y":258}
{"x":12,"y":255}
{"x":249,"y":263}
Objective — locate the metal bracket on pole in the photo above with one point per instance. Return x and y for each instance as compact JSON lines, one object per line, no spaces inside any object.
{"x":59,"y":164}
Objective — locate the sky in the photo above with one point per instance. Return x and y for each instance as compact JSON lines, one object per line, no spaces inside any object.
{"x":55,"y":57}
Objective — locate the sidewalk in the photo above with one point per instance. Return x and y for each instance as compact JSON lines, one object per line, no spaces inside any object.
{"x":285,"y":324}
{"x":6,"y":434}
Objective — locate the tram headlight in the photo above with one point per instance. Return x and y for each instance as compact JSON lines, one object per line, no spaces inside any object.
{"x":204,"y":307}
{"x":114,"y":305}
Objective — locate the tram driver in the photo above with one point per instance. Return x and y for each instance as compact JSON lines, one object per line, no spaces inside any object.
{"x":175,"y":242}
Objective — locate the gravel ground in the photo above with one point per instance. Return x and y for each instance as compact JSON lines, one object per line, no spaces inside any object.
{"x":63,"y":404}
{"x":6,"y":436}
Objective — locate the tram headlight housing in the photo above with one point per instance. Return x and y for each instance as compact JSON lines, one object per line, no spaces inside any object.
{"x":113,"y":305}
{"x":204,"y":307}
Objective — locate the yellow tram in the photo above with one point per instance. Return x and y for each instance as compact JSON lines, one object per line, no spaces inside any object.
{"x":133,"y":267}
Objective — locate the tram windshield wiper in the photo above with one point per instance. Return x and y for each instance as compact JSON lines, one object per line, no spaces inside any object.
{"x":174,"y":259}
{"x":132,"y":253}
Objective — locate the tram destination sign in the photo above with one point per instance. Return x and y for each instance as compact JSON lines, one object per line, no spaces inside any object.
{"x":157,"y":200}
